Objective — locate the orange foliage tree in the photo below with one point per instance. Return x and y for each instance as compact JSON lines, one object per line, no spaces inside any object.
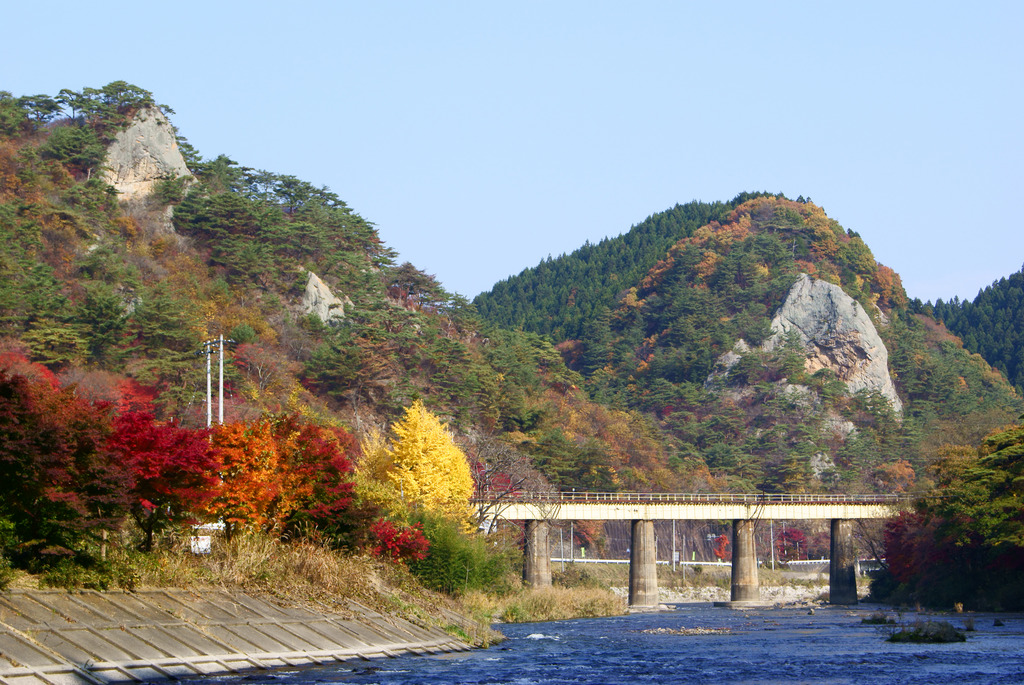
{"x":248,"y":466}
{"x":279,"y":473}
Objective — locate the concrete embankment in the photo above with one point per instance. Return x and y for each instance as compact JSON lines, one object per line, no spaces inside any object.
{"x":57,"y":638}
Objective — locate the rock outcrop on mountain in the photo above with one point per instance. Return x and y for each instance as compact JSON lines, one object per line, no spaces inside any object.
{"x":837,"y":334}
{"x":834,"y":331}
{"x":719,"y":375}
{"x":318,"y":299}
{"x":142,"y":155}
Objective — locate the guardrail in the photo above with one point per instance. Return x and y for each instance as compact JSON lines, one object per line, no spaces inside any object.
{"x":686,"y":498}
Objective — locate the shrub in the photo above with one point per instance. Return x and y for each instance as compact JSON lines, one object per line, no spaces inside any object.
{"x":397,"y":543}
{"x":7,"y":573}
{"x":575,"y":577}
{"x":929,"y":631}
{"x":67,"y":574}
{"x":556,"y":604}
{"x":458,"y":561}
{"x":878,"y":618}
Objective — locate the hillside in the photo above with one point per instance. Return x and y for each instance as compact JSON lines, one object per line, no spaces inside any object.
{"x":695,"y":343}
{"x":559,"y":298}
{"x":122,"y":250}
{"x":992,"y":325}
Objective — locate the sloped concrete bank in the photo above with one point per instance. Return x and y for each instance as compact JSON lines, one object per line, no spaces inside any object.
{"x":70,"y":638}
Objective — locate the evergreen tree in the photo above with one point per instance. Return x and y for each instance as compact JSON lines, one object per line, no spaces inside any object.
{"x":991,"y":325}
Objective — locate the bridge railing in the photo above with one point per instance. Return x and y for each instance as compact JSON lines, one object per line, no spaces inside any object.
{"x":693,"y":497}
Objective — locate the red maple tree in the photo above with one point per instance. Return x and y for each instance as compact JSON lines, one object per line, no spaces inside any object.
{"x":65,"y":485}
{"x":173,"y":468}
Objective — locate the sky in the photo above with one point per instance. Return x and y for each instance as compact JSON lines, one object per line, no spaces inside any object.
{"x":482,"y":137}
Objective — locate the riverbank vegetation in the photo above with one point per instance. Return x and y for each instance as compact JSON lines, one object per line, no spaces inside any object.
{"x":545,"y":604}
{"x":965,"y":545}
{"x":301,"y":573}
{"x":301,"y":511}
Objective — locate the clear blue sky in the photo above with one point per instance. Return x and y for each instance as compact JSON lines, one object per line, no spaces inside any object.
{"x":480,"y":137}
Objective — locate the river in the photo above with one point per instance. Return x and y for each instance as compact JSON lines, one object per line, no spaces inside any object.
{"x":778,"y":645}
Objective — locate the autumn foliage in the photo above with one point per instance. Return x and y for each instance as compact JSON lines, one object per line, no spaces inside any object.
{"x":721,"y":548}
{"x":173,"y":469}
{"x":399,"y":542}
{"x":80,"y":471}
{"x":427,"y":467}
{"x":63,"y":484}
{"x":966,"y":546}
{"x":277,"y":470}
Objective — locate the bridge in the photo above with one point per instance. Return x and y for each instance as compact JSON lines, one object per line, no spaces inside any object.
{"x":538,"y":509}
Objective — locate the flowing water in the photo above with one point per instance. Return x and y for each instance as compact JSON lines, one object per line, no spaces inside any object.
{"x":786,"y":645}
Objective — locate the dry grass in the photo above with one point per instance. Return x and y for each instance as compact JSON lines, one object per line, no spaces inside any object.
{"x":296,"y":573}
{"x":545,"y":604}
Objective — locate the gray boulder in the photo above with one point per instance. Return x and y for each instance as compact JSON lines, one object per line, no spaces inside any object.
{"x":836,"y":334}
{"x":143,"y":154}
{"x":719,"y":376}
{"x":318,"y":299}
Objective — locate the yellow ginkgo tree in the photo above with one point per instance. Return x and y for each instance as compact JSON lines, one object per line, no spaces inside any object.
{"x":373,"y":484}
{"x":427,"y":468}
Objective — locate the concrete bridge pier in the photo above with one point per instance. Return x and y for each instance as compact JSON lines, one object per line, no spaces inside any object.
{"x":842,"y":567}
{"x":745,"y":586}
{"x":537,"y":562}
{"x":643,"y":573}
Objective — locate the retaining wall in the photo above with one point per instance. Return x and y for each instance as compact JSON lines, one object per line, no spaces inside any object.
{"x":71,"y":638}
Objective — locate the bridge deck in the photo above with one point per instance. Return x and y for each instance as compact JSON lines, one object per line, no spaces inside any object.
{"x":604,"y":506}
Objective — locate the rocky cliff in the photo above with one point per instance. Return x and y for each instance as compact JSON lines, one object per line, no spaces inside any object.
{"x":143,"y":154}
{"x":318,"y":299}
{"x":837,"y":334}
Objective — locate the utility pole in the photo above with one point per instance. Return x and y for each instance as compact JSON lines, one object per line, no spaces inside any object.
{"x":571,"y":543}
{"x":220,"y":401}
{"x":561,"y":546}
{"x":674,"y":557}
{"x":208,"y":349}
{"x":682,"y":566}
{"x":209,"y":393}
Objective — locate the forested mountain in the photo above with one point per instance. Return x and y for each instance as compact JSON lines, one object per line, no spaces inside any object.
{"x":114,"y":282}
{"x":115,"y":289}
{"x":693,"y":343}
{"x":992,"y":325}
{"x":559,"y":297}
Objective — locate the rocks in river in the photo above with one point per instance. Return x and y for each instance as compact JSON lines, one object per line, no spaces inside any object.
{"x":770,"y":594}
{"x":685,"y":631}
